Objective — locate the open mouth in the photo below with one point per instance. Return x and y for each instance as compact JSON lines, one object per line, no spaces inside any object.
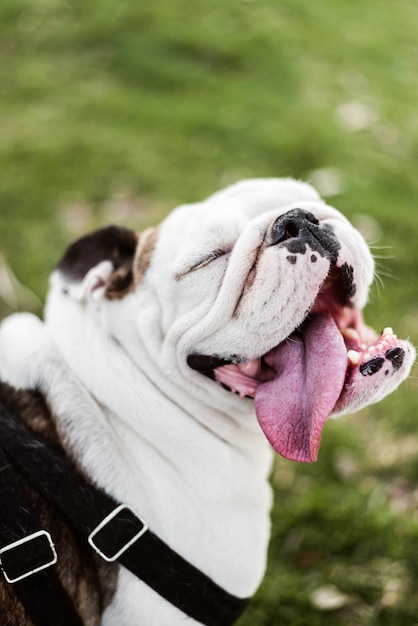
{"x":313,"y":373}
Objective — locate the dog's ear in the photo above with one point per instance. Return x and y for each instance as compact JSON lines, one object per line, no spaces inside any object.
{"x":146,"y":244}
{"x":107,"y":263}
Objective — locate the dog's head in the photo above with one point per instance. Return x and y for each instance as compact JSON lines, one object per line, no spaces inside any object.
{"x":257,"y":291}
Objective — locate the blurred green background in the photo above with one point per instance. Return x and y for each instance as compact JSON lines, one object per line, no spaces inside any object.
{"x":116,"y":111}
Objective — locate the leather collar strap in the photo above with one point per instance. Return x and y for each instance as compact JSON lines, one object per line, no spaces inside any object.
{"x":26,"y":554}
{"x":115,"y":531}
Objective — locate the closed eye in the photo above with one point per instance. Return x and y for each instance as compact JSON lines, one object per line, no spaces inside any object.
{"x":202,"y":262}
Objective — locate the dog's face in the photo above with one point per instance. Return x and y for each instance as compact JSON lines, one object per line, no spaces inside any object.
{"x":257,"y":292}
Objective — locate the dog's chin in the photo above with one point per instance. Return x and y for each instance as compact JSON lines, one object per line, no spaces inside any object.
{"x":331,"y":364}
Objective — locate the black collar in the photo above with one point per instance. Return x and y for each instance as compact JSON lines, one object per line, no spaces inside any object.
{"x":113,"y":530}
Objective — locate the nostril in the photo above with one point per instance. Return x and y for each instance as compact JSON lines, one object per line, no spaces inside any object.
{"x":283,"y":231}
{"x":311,"y":218}
{"x":291,"y":224}
{"x":292,"y":230}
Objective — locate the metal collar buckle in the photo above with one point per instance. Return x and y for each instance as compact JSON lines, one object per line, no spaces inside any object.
{"x":6,"y":552}
{"x":141,"y":527}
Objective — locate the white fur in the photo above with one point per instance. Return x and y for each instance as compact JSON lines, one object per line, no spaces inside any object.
{"x":186,"y":455}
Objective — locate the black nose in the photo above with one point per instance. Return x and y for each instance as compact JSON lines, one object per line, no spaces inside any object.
{"x":292,"y":224}
{"x":298,"y":229}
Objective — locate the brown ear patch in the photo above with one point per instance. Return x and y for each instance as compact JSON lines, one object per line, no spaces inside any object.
{"x":126,"y":278}
{"x":145,"y":248}
{"x":120,"y":283}
{"x":130,"y":254}
{"x":112,"y":243}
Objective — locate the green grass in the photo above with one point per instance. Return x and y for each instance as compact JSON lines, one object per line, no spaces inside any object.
{"x":118,"y":111}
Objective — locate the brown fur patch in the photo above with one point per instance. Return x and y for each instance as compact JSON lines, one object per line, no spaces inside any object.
{"x":143,"y":255}
{"x":129,"y":253}
{"x":89,"y":581}
{"x":112,"y":243}
{"x":119,"y":284}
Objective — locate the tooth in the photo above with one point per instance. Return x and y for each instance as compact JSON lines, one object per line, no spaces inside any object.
{"x":353,"y":356}
{"x":387,"y":331}
{"x":350,"y":333}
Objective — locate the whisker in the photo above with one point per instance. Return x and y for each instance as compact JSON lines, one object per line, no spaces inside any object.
{"x":383,"y":270}
{"x":387,"y":274}
{"x":383,"y":256}
{"x":374,"y":247}
{"x":378,"y":281}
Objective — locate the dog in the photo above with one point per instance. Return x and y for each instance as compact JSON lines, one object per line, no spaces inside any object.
{"x":172,"y":363}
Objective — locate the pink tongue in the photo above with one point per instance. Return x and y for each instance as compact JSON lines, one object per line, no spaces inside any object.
{"x":309,"y":376}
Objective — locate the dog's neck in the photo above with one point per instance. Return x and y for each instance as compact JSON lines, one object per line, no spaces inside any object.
{"x":188,"y":476}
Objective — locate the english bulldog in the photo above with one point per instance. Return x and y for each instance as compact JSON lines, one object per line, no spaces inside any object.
{"x":170,"y":365}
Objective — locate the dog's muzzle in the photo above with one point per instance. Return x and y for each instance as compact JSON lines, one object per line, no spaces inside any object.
{"x":298,"y":229}
{"x":331,"y":362}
